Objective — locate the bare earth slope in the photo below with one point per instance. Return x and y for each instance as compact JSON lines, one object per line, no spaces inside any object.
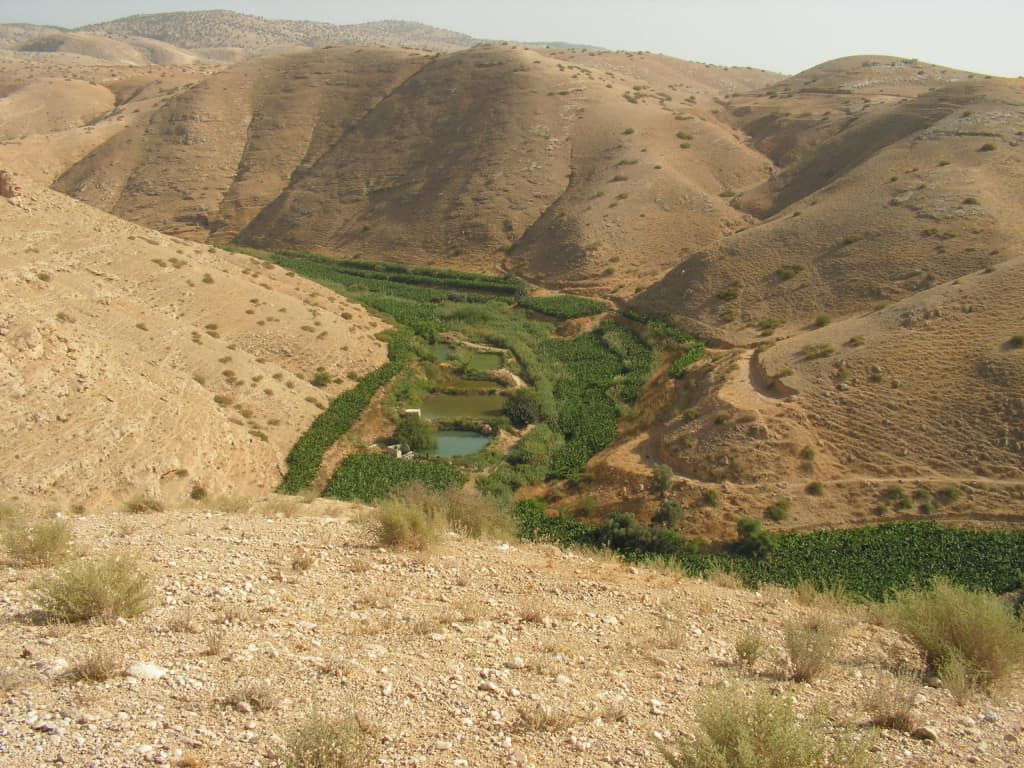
{"x":390,"y":154}
{"x":134,"y":362}
{"x":480,"y":654}
{"x":908,"y":191}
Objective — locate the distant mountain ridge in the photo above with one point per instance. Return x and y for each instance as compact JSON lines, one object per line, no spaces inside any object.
{"x":198,"y":30}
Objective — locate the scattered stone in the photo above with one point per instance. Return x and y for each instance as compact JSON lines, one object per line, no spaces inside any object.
{"x":145,"y":670}
{"x":924,"y":733}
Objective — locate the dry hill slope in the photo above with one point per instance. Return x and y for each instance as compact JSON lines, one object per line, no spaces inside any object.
{"x":133,"y":362}
{"x":386,"y":154}
{"x":908,"y":192}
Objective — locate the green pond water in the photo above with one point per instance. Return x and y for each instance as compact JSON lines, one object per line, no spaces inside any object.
{"x":459,"y":442}
{"x":469,"y":406}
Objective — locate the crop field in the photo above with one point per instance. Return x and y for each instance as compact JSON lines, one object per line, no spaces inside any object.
{"x":369,"y":477}
{"x":563,"y":307}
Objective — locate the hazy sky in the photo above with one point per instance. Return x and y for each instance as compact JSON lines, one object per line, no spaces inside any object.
{"x":783,"y":35}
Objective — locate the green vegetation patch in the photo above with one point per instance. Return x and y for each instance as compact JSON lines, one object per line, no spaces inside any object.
{"x":563,"y":307}
{"x":308,"y":452}
{"x":368,"y":477}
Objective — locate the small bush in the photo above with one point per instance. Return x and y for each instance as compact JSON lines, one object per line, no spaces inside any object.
{"x":710,"y":498}
{"x":669,"y":514}
{"x":761,"y":731}
{"x":957,"y":627}
{"x":891,"y":703}
{"x":812,"y":646}
{"x":661,"y":478}
{"x":987,"y":147}
{"x":749,"y":647}
{"x":789,"y":271}
{"x":855,"y":341}
{"x":817,"y":351}
{"x":778,"y":510}
{"x":822,"y":320}
{"x":947,"y":494}
{"x":110,"y":588}
{"x":325,"y":741}
{"x":1017,"y":341}
{"x":415,"y":433}
{"x":258,"y":695}
{"x":100,"y":665}
{"x":815,"y":489}
{"x":44,"y":543}
{"x":321,"y":378}
{"x":139,"y":504}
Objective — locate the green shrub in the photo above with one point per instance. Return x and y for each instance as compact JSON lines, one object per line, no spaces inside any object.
{"x":822,"y":320}
{"x":710,"y":498}
{"x":749,"y":647}
{"x":109,"y":588}
{"x":762,"y":731}
{"x":669,"y":514}
{"x":416,"y":433}
{"x":896,"y":496}
{"x":661,"y":478}
{"x":754,"y":542}
{"x":44,"y":543}
{"x":523,"y":407}
{"x":987,"y":147}
{"x":815,"y":489}
{"x":779,"y":510}
{"x":321,"y":378}
{"x":947,"y":494}
{"x":789,"y":271}
{"x":957,"y":627}
{"x":1017,"y":341}
{"x":326,"y":741}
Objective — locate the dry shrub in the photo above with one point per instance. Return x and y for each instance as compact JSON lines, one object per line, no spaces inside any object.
{"x":259,"y":695}
{"x":140,"y":504}
{"x":812,"y":645}
{"x":109,"y":588}
{"x":724,"y":579}
{"x":891,"y":703}
{"x":100,"y":665}
{"x":761,"y":731}
{"x":972,"y":635}
{"x":418,"y":517}
{"x":328,"y":741}
{"x":749,"y":647}
{"x":542,"y":717}
{"x":45,"y":543}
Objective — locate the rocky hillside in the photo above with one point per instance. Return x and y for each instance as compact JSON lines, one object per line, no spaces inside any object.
{"x":477,"y":653}
{"x":132,"y":362}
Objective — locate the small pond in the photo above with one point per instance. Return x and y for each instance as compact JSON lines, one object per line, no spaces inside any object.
{"x":438,"y":407}
{"x":459,"y":442}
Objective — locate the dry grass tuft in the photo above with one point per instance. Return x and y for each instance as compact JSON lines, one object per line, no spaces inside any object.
{"x":749,"y":647}
{"x":761,"y":731}
{"x":891,"y":703}
{"x":45,"y":543}
{"x":542,"y":717}
{"x":252,"y":694}
{"x":812,"y":645}
{"x":106,"y":589}
{"x":326,"y":741}
{"x":99,"y":666}
{"x":967,"y":635}
{"x":417,"y":517}
{"x":140,"y":504}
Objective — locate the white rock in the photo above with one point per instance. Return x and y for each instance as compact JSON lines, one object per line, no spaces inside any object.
{"x":145,"y":670}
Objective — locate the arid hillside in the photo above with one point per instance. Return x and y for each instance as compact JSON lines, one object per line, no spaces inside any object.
{"x":204,"y":30}
{"x":132,"y":362}
{"x":894,"y":177}
{"x":598,"y":171}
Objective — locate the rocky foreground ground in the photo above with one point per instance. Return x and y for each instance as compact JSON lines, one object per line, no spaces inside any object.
{"x":475,"y":654}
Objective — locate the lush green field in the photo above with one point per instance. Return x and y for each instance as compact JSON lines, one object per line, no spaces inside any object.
{"x":306,"y":455}
{"x":563,"y":307}
{"x":369,"y":477}
{"x":870,"y":563}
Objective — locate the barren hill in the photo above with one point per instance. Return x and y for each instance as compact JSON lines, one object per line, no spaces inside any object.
{"x":199,"y":30}
{"x":444,"y":160}
{"x":134,"y":362}
{"x":879,"y":197}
